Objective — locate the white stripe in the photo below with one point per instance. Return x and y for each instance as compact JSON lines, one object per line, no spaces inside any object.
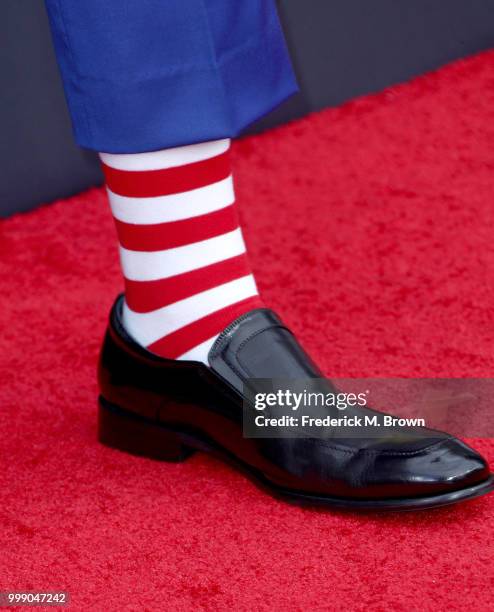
{"x":149,"y":327}
{"x":167,"y":158}
{"x":154,"y":265}
{"x":200,"y":352}
{"x":175,"y":207}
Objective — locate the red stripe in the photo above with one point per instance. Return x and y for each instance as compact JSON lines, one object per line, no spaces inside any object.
{"x":161,"y":236}
{"x":145,"y":296}
{"x":153,"y":183}
{"x":186,"y":338}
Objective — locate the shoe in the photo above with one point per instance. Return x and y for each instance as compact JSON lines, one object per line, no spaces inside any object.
{"x":167,"y":409}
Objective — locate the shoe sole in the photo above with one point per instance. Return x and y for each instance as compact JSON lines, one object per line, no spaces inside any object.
{"x":137,"y":435}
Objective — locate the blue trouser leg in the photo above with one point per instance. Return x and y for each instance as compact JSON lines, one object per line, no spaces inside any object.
{"x":142,"y":75}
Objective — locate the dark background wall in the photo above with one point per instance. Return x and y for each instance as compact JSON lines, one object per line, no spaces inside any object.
{"x":340,"y":49}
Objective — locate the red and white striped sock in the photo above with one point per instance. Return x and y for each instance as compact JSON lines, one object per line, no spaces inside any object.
{"x":181,"y":248}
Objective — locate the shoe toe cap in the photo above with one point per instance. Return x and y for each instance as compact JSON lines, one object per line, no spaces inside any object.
{"x":457,"y":464}
{"x":448,"y":465}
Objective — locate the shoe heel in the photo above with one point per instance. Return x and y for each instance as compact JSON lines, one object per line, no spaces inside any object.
{"x":133,"y":434}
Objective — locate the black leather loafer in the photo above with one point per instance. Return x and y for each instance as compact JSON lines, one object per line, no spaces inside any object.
{"x":166,"y":409}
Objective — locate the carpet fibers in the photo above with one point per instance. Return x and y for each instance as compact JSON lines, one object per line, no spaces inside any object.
{"x":370,"y":230}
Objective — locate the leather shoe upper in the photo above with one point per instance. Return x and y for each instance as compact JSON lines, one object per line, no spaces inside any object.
{"x":206,"y":403}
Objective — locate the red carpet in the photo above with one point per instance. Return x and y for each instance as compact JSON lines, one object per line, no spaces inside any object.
{"x":370,"y":228}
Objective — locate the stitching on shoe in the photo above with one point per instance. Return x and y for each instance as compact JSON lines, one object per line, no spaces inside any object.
{"x":384,"y":451}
